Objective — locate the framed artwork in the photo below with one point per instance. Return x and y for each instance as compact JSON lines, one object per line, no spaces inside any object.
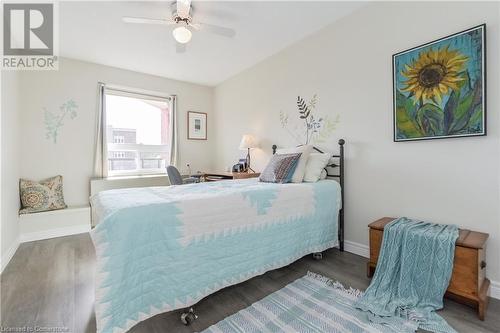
{"x":197,"y":125}
{"x":439,"y":88}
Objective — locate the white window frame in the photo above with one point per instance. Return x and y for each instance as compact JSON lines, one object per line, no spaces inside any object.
{"x":136,"y":148}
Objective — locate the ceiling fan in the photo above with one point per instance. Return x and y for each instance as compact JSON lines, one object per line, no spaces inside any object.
{"x":182,"y":19}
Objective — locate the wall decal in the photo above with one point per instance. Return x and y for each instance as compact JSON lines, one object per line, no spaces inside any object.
{"x":439,"y":88}
{"x":309,"y":128}
{"x":54,"y":121}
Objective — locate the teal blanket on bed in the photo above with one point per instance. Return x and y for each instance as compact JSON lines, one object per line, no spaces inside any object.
{"x":160,"y":249}
{"x":412,"y":275}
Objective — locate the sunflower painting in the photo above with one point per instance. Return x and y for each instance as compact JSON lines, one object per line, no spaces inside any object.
{"x":439,"y":88}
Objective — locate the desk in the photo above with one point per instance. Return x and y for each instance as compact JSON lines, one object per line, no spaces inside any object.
{"x":216,"y":176}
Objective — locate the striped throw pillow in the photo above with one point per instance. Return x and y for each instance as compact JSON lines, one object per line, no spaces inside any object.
{"x":280,"y":168}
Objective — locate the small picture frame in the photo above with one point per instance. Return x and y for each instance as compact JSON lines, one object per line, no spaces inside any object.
{"x":197,"y":125}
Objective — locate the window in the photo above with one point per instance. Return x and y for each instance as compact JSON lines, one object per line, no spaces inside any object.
{"x":118,"y":154}
{"x":118,"y":139}
{"x":137,"y":133}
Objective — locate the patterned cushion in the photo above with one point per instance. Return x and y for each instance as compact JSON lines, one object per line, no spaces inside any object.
{"x":300,"y":169}
{"x":41,"y":196}
{"x":280,"y":168}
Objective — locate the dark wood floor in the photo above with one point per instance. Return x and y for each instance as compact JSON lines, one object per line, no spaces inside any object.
{"x":50,"y":284}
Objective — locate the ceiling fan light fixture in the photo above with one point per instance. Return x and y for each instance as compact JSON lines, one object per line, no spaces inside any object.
{"x":182,"y":34}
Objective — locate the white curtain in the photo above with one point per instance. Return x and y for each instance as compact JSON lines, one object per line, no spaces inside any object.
{"x":173,"y":131}
{"x":101,"y":149}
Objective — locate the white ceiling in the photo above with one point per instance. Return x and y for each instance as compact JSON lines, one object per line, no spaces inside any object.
{"x":93,"y":31}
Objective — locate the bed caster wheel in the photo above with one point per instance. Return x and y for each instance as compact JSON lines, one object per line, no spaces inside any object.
{"x":318,"y":255}
{"x":188,"y":317}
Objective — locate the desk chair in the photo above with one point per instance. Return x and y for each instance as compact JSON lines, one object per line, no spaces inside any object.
{"x":176,"y":179}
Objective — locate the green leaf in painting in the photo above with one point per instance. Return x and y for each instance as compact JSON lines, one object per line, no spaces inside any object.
{"x":457,"y":99}
{"x":430,"y":120}
{"x":449,"y":111}
{"x":405,"y":117}
{"x":404,"y":102}
{"x":464,"y":110}
{"x":476,"y":120}
{"x":406,"y":127}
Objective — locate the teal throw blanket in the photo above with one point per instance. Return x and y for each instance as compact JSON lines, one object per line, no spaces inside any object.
{"x":413,"y":272}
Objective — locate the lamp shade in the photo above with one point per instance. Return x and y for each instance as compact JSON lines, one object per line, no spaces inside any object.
{"x":248,"y":141}
{"x":182,"y":34}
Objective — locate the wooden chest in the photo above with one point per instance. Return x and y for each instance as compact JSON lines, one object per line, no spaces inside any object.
{"x":468,"y":284}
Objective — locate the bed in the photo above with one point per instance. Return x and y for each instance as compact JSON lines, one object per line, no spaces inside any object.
{"x":164,"y":248}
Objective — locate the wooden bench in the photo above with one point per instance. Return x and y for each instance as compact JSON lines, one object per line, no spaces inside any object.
{"x":468,"y":284}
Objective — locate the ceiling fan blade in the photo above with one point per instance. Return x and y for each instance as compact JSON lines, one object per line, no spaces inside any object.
{"x":226,"y":32}
{"x":144,"y":20}
{"x":180,"y":48}
{"x":183,"y":7}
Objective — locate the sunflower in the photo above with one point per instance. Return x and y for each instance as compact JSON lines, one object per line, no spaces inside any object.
{"x":434,"y":73}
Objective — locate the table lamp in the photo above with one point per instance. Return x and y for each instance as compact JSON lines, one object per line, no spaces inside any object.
{"x":247,"y":142}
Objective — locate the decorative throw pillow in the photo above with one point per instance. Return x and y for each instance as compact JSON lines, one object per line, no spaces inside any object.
{"x":315,"y":165}
{"x":280,"y":168}
{"x":41,"y":196}
{"x":298,"y":175}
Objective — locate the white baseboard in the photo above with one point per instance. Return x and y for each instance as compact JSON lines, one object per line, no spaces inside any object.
{"x":357,"y":248}
{"x":364,"y":251}
{"x":6,"y":257}
{"x":495,"y":289}
{"x":52,"y":233}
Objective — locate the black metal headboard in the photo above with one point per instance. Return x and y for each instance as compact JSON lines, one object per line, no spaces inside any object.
{"x":340,"y":176}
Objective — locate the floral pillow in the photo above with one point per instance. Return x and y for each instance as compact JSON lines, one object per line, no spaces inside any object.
{"x":41,"y":196}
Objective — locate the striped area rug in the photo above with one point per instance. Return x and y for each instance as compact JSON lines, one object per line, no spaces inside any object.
{"x":312,"y":303}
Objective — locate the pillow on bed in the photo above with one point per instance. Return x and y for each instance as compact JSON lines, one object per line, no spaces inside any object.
{"x":305,"y":151}
{"x":324,"y":174}
{"x":315,"y":164}
{"x":280,"y":168}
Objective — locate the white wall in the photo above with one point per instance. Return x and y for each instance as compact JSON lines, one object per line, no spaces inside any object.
{"x":9,"y":181}
{"x":73,"y":154}
{"x":348,"y":65}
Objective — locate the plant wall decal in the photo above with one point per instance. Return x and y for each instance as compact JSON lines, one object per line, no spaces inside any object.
{"x":311,"y":129}
{"x":54,"y":121}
